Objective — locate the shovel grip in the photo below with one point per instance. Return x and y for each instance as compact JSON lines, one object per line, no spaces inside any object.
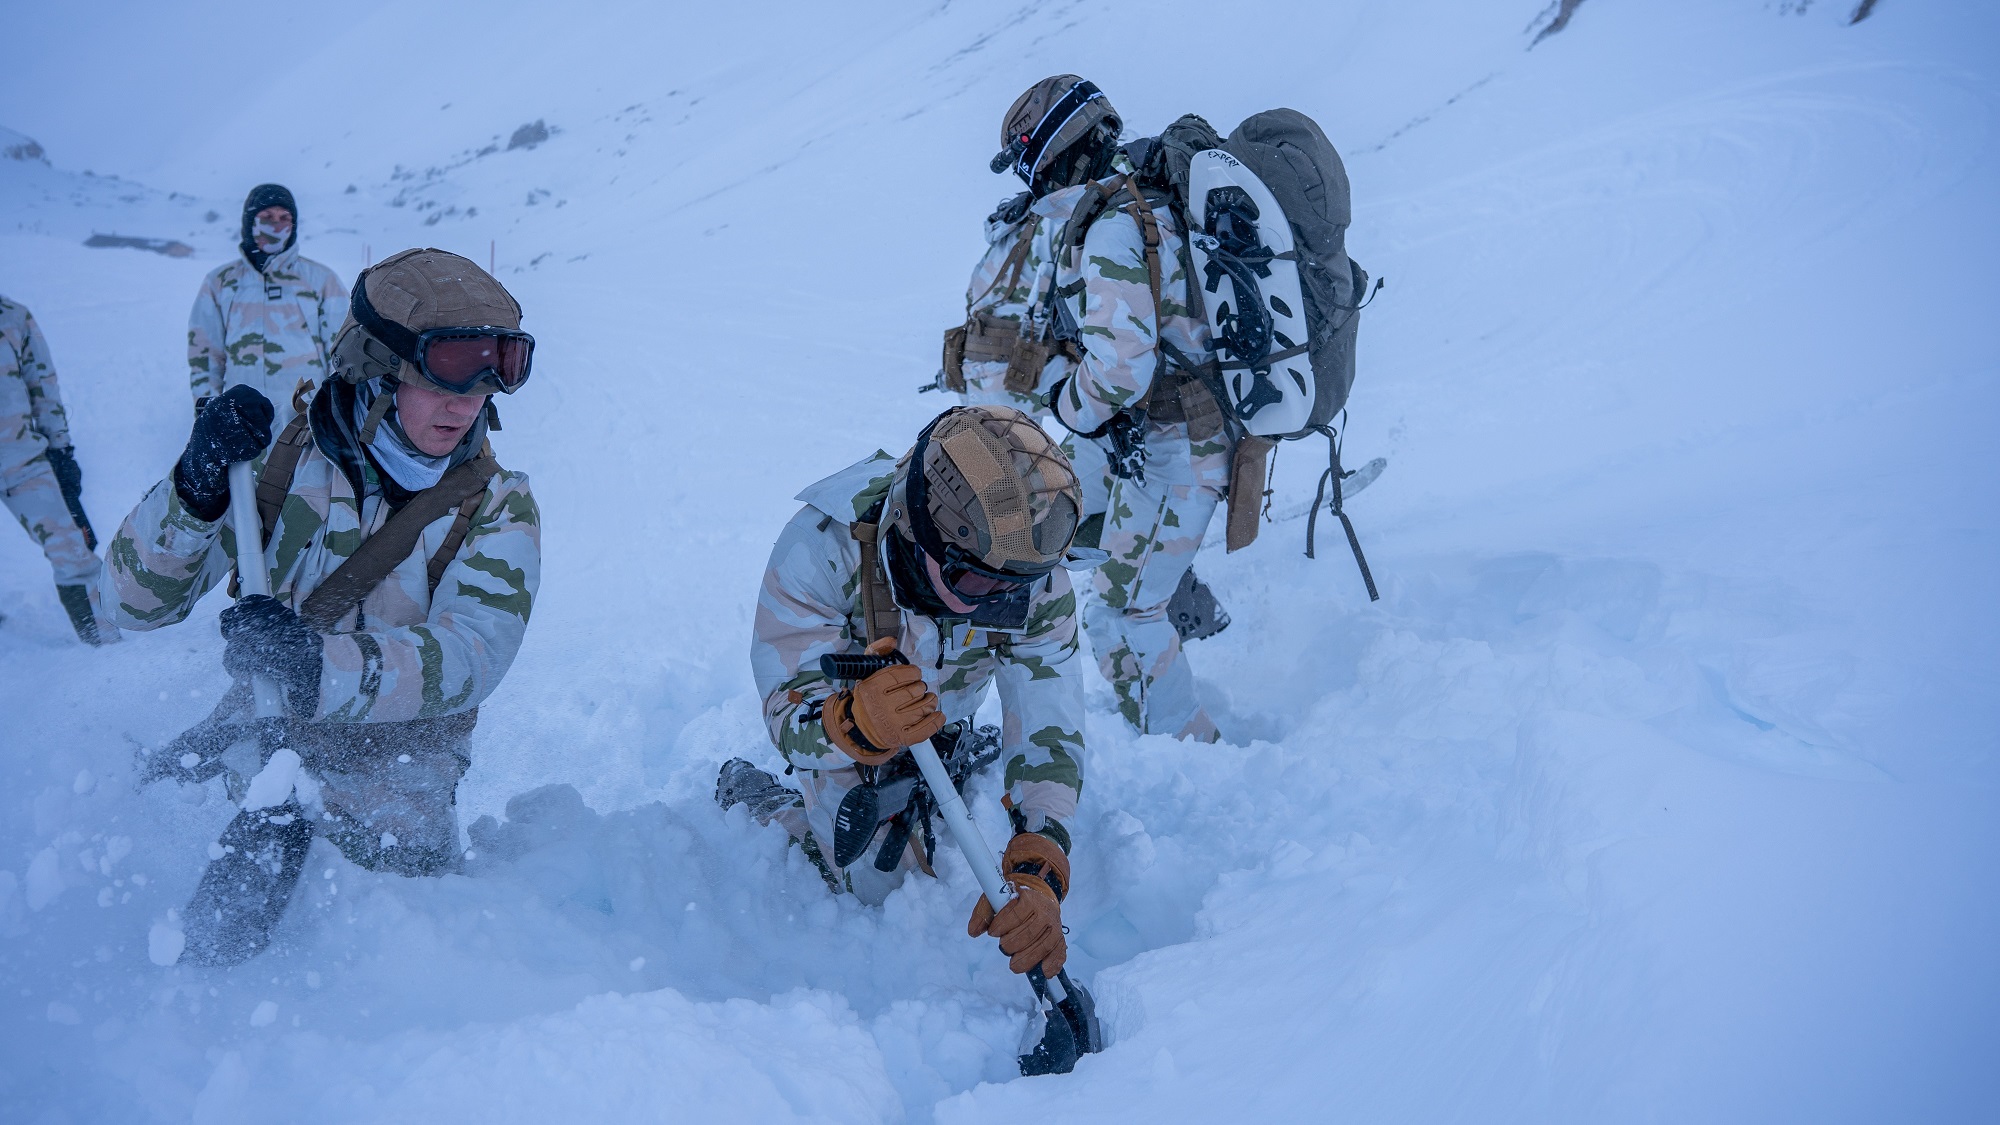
{"x":852,"y":666}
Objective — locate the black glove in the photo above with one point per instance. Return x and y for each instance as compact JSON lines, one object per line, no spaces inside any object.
{"x":265,"y":638}
{"x":1124,"y":441}
{"x":234,"y":426}
{"x":201,"y":404}
{"x":69,"y":477}
{"x":1123,"y":437}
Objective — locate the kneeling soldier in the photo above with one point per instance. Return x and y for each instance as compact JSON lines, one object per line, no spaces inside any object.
{"x":403,"y":562}
{"x":950,"y":558}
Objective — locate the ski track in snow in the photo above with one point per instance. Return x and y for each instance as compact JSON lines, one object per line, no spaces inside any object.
{"x":1650,"y":790}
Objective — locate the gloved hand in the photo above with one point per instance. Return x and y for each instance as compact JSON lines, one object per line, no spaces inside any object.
{"x":265,"y":638}
{"x":1030,"y":925}
{"x":1123,"y":437}
{"x":234,"y":426}
{"x":69,"y":477}
{"x":893,"y":708}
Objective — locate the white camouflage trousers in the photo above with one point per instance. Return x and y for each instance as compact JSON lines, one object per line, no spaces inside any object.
{"x":1152,"y":531}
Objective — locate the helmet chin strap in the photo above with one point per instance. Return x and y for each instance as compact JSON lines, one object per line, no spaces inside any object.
{"x":378,"y":410}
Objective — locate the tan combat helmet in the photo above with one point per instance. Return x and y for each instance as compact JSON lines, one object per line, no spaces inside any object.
{"x":985,"y":487}
{"x":1048,"y":119}
{"x":407,"y":293}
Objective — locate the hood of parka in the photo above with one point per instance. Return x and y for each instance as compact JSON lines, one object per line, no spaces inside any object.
{"x":260,"y":197}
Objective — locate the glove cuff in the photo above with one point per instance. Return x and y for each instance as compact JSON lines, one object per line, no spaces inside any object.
{"x":1033,"y":854}
{"x":841,"y":730}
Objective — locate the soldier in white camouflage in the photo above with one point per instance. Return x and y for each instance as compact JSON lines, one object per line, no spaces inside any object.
{"x":1123,"y":294}
{"x":403,"y":563}
{"x":952,"y":559}
{"x":39,"y":476}
{"x":1007,"y":351}
{"x":267,"y":319}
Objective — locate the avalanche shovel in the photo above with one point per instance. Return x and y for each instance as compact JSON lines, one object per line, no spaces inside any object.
{"x":280,"y":766}
{"x":1066,"y":1026}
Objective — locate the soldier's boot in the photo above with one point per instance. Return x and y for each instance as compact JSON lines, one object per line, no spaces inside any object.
{"x":763,"y":795}
{"x":1193,"y":609}
{"x":91,"y":628}
{"x":767,"y":799}
{"x":244,"y":891}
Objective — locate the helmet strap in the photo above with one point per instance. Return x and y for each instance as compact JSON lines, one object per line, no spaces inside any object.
{"x":378,"y":410}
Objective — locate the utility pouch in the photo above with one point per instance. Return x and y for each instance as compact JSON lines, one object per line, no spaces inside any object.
{"x":954,"y":359}
{"x":1246,"y":490}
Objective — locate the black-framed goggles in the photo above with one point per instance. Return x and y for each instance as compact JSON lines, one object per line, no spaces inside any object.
{"x":456,"y":360}
{"x":974,"y":583}
{"x":1024,"y":152}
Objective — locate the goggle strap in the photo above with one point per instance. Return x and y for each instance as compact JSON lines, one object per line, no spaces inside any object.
{"x":399,"y":339}
{"x":1052,"y":122}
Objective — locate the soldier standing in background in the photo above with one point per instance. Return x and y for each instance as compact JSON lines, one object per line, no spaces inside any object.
{"x":39,"y":476}
{"x":266,"y":320}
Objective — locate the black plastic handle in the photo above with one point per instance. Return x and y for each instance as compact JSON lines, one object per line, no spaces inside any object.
{"x":849,"y":666}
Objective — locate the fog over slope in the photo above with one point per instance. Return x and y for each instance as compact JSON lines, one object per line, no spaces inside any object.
{"x":1658,"y":786}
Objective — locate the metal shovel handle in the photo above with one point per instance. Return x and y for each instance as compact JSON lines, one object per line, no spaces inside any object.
{"x":251,"y":575}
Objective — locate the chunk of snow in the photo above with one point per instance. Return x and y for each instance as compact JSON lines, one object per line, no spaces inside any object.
{"x":274,"y":782}
{"x":265,"y":1014}
{"x":164,"y":943}
{"x":44,"y":880}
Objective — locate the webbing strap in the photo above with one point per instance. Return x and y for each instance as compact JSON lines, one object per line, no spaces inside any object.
{"x":453,"y":538}
{"x":392,"y":543}
{"x":1011,"y":268}
{"x":275,"y":483}
{"x":879,"y":615}
{"x":1149,"y":229}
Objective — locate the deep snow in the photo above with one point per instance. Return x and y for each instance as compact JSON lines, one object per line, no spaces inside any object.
{"x":1656,"y":787}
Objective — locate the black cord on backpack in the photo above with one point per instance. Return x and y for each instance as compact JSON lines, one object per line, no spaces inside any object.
{"x":1334,"y":475}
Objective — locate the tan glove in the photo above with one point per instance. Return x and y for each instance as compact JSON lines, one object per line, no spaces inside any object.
{"x":1030,"y":925}
{"x":893,"y":708}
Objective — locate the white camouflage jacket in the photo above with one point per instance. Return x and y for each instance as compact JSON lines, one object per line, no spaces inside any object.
{"x":270,"y":331}
{"x":403,"y":653}
{"x":809,"y":606}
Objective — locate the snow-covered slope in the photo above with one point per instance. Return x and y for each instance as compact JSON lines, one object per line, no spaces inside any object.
{"x":1657,"y":786}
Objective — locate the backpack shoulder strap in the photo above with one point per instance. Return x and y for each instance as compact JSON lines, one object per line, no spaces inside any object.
{"x":380,"y":553}
{"x":879,"y":615}
{"x":275,"y":483}
{"x":1149,"y":229}
{"x":1010,"y":269}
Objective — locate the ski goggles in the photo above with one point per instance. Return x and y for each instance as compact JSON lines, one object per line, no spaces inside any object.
{"x":460,"y":359}
{"x":1024,"y":152}
{"x":975,"y":583}
{"x":455,"y":360}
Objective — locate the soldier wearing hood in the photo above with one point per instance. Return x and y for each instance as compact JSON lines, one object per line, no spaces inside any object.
{"x":266,"y":320}
{"x":403,"y":564}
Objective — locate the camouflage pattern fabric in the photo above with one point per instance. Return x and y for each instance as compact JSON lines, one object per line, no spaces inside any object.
{"x":1152,"y":530}
{"x":32,"y":422}
{"x":810,"y":605}
{"x":401,"y":654}
{"x":1023,"y":302}
{"x":271,"y":331}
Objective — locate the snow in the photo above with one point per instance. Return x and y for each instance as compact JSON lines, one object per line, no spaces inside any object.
{"x":1657,"y":787}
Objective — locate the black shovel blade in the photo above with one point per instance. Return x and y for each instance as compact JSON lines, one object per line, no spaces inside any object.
{"x":854,"y":824}
{"x":1056,"y":1051}
{"x":1080,"y":1009}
